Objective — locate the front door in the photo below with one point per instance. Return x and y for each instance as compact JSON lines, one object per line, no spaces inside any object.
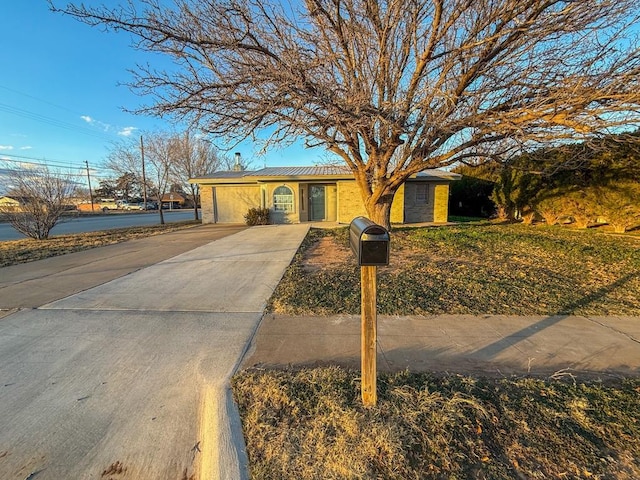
{"x":316,"y":203}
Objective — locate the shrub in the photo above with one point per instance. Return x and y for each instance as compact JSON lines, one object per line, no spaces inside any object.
{"x":620,"y":205}
{"x":257,"y":216}
{"x":579,"y":206}
{"x":528,"y":217}
{"x":551,"y":208}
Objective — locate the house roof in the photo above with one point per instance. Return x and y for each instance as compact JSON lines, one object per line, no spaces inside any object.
{"x":316,"y":172}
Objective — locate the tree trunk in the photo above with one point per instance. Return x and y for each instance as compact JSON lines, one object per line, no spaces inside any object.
{"x":380,"y":211}
{"x":194,"y":195}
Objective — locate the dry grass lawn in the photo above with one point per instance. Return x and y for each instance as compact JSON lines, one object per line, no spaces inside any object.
{"x":480,"y":268}
{"x":27,"y":250}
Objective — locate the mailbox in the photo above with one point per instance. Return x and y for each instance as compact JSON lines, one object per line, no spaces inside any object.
{"x":369,"y":241}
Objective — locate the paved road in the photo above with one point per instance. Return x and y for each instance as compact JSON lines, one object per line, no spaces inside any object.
{"x":102,"y":222}
{"x":124,"y":382}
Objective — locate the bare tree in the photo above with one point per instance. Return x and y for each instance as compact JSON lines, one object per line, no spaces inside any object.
{"x":392,"y":87}
{"x":161,"y":153}
{"x":125,"y":159}
{"x":43,"y":196}
{"x":196,"y":157}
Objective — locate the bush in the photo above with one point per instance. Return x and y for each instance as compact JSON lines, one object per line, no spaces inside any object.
{"x":257,"y":216}
{"x":620,"y":205}
{"x":581,"y":206}
{"x":550,"y":208}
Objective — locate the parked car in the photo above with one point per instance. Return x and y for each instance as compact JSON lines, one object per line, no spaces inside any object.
{"x":107,"y":204}
{"x":148,"y":206}
{"x":168,"y":206}
{"x":124,"y":205}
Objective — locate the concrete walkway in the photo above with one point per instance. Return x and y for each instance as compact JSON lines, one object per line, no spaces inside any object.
{"x":129,"y":379}
{"x":494,"y":345}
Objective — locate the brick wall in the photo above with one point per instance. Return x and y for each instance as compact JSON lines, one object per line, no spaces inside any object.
{"x":206,"y":204}
{"x":441,"y":207}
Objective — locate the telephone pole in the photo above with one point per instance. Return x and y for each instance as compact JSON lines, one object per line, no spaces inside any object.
{"x":86,"y":162}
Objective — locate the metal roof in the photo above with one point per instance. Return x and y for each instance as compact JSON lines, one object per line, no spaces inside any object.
{"x":300,"y":171}
{"x":309,"y":171}
{"x":226,"y":174}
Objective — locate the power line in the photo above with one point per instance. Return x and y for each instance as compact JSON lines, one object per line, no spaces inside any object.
{"x":40,"y":100}
{"x":42,"y":162}
{"x":52,"y":121}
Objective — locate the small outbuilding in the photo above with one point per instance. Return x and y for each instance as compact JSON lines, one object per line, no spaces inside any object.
{"x":316,"y":194}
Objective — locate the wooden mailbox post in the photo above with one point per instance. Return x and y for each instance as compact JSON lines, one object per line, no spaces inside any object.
{"x":370,"y":243}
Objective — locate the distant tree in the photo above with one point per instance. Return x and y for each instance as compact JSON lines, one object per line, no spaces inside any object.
{"x":196,"y":157}
{"x":125,"y":160}
{"x":128,"y":185}
{"x":161,"y":154}
{"x":391,"y":87}
{"x":44,"y":196}
{"x":582,"y":181}
{"x":107,"y":189}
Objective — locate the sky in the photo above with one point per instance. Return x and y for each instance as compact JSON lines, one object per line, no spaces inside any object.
{"x":62,"y":94}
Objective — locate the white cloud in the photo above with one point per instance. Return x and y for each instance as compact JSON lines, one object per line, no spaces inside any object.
{"x":96,"y":123}
{"x":127,"y":131}
{"x":26,"y":147}
{"x":6,"y":147}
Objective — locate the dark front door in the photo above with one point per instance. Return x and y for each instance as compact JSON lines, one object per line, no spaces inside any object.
{"x":316,"y":203}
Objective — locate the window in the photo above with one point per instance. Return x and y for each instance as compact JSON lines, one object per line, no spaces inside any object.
{"x":422,"y":193}
{"x":283,"y":199}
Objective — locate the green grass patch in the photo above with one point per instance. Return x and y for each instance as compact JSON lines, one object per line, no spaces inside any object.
{"x":477,"y":268}
{"x":310,"y":424}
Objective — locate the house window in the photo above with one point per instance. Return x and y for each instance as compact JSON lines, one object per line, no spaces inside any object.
{"x":422,"y":193}
{"x":283,"y":199}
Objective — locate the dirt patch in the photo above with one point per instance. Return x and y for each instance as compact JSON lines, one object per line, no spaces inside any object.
{"x":329,"y":252}
{"x":325,"y":253}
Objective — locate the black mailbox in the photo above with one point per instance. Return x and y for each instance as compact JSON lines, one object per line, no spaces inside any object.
{"x":369,"y":241}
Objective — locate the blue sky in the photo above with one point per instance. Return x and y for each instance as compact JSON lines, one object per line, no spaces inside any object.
{"x":61,"y":98}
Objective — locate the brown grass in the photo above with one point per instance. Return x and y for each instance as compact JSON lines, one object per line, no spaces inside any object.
{"x":27,"y":250}
{"x":471,"y":269}
{"x":310,"y":424}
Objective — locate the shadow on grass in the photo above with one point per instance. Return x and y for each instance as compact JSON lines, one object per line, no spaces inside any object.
{"x":511,"y":340}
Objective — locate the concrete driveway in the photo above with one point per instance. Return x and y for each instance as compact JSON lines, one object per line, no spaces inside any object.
{"x":129,"y":379}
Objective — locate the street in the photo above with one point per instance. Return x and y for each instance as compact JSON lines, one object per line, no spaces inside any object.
{"x":103,"y":222}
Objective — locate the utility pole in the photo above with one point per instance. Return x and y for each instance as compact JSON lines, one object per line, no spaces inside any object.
{"x":86,"y":162}
{"x":144,"y":177}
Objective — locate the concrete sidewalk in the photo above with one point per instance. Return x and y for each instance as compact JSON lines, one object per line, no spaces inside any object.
{"x":495,"y":345}
{"x":129,"y":379}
